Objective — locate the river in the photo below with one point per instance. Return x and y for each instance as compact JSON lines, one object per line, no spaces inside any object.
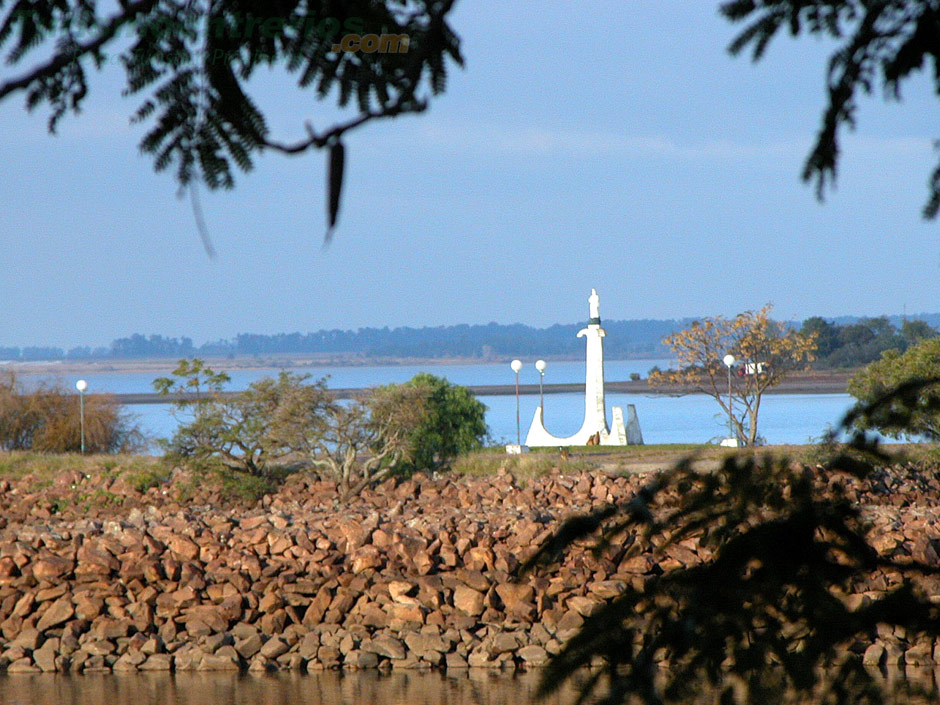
{"x":784,"y":418}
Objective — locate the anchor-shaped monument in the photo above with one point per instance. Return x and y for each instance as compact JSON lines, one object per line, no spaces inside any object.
{"x":594,"y":430}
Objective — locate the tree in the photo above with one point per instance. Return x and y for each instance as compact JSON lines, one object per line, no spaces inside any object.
{"x":766,"y":351}
{"x":764,"y":613}
{"x":193,"y":62}
{"x":239,"y":432}
{"x":357,"y":443}
{"x":881,"y":42}
{"x":825,"y":333}
{"x":916,"y":331}
{"x":455,"y":423}
{"x":893,"y":370}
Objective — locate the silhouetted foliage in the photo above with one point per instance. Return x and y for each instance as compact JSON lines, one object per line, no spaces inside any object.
{"x":762,"y":615}
{"x":881,"y":43}
{"x":193,"y":63}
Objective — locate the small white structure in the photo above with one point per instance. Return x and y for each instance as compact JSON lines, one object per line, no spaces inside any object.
{"x":594,"y":429}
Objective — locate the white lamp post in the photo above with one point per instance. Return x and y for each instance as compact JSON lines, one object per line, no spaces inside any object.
{"x":729,"y":362}
{"x":81,"y":385}
{"x":516,"y":365}
{"x":540,"y":366}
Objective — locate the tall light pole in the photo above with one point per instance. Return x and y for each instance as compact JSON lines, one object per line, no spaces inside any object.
{"x":540,"y":366}
{"x":81,"y":385}
{"x":729,"y":362}
{"x":516,"y":365}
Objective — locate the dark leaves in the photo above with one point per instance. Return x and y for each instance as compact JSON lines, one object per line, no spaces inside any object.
{"x":884,"y":42}
{"x":335,"y":185}
{"x":758,"y":615}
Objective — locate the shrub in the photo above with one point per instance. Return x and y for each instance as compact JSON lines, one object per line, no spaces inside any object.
{"x":455,"y":423}
{"x":48,"y":420}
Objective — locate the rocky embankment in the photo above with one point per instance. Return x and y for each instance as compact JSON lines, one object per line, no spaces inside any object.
{"x":412,"y":574}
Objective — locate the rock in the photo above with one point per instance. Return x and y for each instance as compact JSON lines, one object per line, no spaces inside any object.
{"x":455,"y":661}
{"x":157,"y":662}
{"x":58,"y":613}
{"x":385,"y":645}
{"x":468,"y":600}
{"x":513,"y":594}
{"x":274,"y":647}
{"x":361,"y":659}
{"x":23,"y":665}
{"x":29,"y":639}
{"x":504,"y":642}
{"x":249,"y":646}
{"x":52,"y":568}
{"x":533,"y":655}
{"x":45,"y":658}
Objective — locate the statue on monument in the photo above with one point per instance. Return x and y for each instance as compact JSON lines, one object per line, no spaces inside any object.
{"x":594,"y":429}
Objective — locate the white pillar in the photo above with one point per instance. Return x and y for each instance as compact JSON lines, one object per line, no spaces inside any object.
{"x":595,"y":410}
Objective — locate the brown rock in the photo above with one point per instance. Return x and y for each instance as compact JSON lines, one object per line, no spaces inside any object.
{"x":157,"y":662}
{"x":52,"y":568}
{"x":184,"y":548}
{"x":468,"y":600}
{"x":512,"y":594}
{"x":45,"y":657}
{"x":385,"y":645}
{"x":274,"y":647}
{"x":59,"y":612}
{"x":533,"y":655}
{"x":23,"y":665}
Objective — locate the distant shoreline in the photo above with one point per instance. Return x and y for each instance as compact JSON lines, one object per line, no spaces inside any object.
{"x":272,"y":362}
{"x":808,"y":382}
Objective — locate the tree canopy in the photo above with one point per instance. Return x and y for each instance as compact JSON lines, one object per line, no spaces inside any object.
{"x":765,"y":352}
{"x":191,"y":63}
{"x":881,"y":44}
{"x":896,"y":369}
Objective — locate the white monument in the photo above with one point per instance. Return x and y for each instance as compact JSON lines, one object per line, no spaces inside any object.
{"x":594,"y":430}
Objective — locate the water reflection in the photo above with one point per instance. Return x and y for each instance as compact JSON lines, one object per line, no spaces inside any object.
{"x":329,"y":688}
{"x":473,"y":687}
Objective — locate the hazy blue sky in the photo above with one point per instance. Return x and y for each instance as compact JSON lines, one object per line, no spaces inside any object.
{"x":612,"y":144}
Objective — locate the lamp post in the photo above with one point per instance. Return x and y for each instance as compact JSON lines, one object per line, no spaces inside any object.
{"x":516,"y":365}
{"x":540,"y":366}
{"x":81,"y":385}
{"x":729,"y":362}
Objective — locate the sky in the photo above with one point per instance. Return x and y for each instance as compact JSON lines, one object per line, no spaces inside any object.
{"x":609,"y":144}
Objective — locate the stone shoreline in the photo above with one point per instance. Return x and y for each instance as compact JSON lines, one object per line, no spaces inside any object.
{"x":413,"y":574}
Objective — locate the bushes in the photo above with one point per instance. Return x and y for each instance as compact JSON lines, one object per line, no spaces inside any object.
{"x":48,"y":420}
{"x":454,"y":424}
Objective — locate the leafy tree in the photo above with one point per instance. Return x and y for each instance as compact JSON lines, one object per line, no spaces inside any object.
{"x":192,"y":63}
{"x":825,"y":333}
{"x":766,"y":351}
{"x":764,"y":615}
{"x":916,"y":331}
{"x":881,"y":43}
{"x":238,"y":432}
{"x":455,"y":423}
{"x":355,"y":443}
{"x":894,"y":369}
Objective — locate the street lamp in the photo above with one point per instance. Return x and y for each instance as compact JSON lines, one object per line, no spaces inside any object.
{"x":81,"y":385}
{"x":540,"y":366}
{"x":516,"y":365}
{"x":729,"y":361}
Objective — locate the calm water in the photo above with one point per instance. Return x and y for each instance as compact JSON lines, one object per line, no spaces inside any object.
{"x":792,"y":419}
{"x":476,"y":687}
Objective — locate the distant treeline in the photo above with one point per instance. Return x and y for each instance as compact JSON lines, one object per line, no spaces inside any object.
{"x":843,"y":341}
{"x":858,"y":342}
